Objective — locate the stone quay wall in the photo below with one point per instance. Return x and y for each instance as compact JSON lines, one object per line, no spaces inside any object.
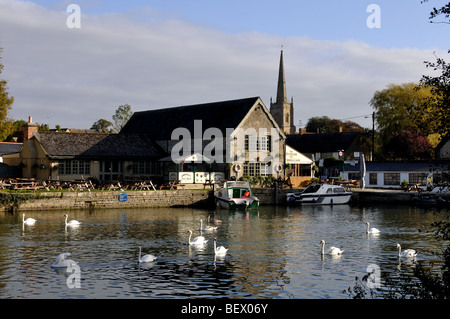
{"x":134,"y":199}
{"x":179,"y":198}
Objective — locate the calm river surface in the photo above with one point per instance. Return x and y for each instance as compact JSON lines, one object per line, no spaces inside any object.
{"x":273,"y":253}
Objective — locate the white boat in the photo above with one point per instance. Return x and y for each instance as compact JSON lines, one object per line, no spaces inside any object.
{"x":236,"y":195}
{"x":320,"y":194}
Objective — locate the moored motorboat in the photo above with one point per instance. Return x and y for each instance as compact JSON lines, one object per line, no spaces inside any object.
{"x":425,"y":200}
{"x":236,"y":195}
{"x":320,"y":194}
{"x":432,"y":200}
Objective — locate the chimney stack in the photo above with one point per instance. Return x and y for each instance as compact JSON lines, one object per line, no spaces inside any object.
{"x":29,"y":129}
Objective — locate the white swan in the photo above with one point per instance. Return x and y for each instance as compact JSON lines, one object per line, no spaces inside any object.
{"x":219,"y":250}
{"x":145,"y":258}
{"x":28,"y":221}
{"x":332,"y":251}
{"x":207,"y":227}
{"x":407,"y":253}
{"x":200,"y":240}
{"x":72,"y":223}
{"x":62,"y":262}
{"x":372,"y":231}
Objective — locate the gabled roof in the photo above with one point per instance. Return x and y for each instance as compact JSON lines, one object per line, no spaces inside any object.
{"x":97,"y":146}
{"x":321,"y":143}
{"x":160,"y":123}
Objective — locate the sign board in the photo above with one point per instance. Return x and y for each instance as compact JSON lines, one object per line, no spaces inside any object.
{"x":123,"y":197}
{"x":173,"y":176}
{"x":295,"y":157}
{"x":201,"y":177}
{"x":217,"y":177}
{"x":186,"y":177}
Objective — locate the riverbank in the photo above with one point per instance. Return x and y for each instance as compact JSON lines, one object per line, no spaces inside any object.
{"x":73,"y":200}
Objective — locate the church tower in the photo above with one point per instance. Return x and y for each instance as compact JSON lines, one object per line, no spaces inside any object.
{"x":281,"y":110}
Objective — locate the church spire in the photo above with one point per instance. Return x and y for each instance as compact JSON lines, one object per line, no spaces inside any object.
{"x":281,"y":91}
{"x":283,"y":111}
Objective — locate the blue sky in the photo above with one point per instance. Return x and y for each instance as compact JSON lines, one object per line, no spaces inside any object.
{"x":163,"y":53}
{"x":404,"y":23}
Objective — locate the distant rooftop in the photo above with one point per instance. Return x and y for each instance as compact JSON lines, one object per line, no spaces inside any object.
{"x":403,"y":166}
{"x":321,"y":143}
{"x":9,"y":148}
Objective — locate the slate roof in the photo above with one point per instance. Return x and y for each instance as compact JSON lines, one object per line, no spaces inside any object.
{"x":9,"y":148}
{"x":160,"y":123}
{"x":403,"y":166}
{"x":321,"y":143}
{"x":98,"y":146}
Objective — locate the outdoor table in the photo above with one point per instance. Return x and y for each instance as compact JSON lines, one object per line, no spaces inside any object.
{"x":208,"y":182}
{"x":172,"y":185}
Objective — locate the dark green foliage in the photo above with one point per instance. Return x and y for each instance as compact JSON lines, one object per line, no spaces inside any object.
{"x":12,"y":201}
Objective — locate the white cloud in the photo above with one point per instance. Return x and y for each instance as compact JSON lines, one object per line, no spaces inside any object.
{"x":73,"y":77}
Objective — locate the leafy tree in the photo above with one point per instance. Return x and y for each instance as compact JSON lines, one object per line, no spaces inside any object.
{"x":440,"y":85}
{"x":408,"y":145}
{"x":102,"y":126}
{"x":6,"y":124}
{"x":324,"y":124}
{"x":43,"y":127}
{"x":121,"y":117}
{"x":444,"y":10}
{"x":402,"y":107}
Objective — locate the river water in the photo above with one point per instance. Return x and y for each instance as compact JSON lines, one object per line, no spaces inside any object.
{"x":273,"y":253}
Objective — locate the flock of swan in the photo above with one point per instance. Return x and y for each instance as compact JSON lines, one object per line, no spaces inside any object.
{"x":201,"y":240}
{"x":31,"y":221}
{"x":335,"y":251}
{"x":62,"y":261}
